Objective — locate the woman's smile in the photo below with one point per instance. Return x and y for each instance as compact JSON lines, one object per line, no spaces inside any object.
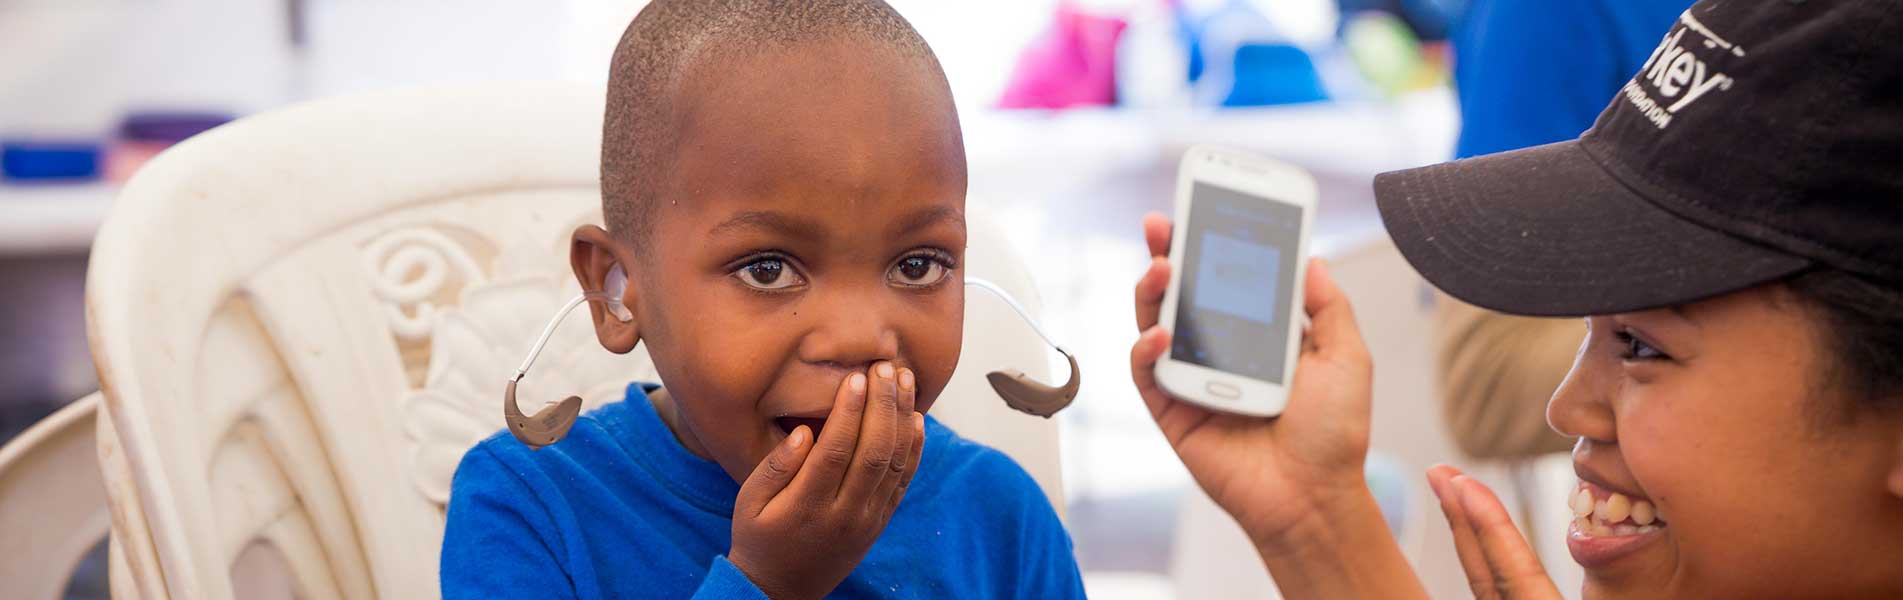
{"x":1608,"y":525}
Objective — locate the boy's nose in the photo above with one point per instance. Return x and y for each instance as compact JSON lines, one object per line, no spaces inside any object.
{"x":850,"y":336}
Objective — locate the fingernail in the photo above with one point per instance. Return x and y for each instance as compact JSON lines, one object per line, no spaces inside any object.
{"x":798,"y":438}
{"x":907,"y":380}
{"x":884,"y":369}
{"x":918,"y":421}
{"x":1454,"y":489}
{"x":858,"y":382}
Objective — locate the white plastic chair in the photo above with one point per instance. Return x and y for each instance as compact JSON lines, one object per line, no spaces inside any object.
{"x":52,"y":504}
{"x":302,"y":320}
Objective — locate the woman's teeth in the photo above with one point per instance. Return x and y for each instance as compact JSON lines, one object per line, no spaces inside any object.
{"x":1643,"y":513}
{"x":1613,"y":509}
{"x":1616,"y":514}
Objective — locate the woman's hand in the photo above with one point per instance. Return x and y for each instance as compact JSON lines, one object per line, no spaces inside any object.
{"x":808,"y":514}
{"x":1293,"y":482}
{"x":1270,"y":474}
{"x":1498,"y":562}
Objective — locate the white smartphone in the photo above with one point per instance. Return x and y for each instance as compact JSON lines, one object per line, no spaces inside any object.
{"x":1237,"y":258}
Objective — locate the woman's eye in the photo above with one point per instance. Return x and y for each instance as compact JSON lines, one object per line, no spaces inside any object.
{"x":1633,"y":348}
{"x":919,"y":271}
{"x":768,"y":274}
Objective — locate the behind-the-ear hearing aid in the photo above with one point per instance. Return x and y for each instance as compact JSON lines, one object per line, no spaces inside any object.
{"x":1019,"y":390}
{"x":552,"y":423}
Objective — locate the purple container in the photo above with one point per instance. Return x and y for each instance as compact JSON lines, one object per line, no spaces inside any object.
{"x":168,"y":127}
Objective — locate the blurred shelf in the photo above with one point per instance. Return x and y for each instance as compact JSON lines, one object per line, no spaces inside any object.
{"x":1032,"y":152}
{"x":48,"y":218}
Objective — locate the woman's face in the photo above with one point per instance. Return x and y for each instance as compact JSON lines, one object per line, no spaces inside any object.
{"x":1717,"y":459}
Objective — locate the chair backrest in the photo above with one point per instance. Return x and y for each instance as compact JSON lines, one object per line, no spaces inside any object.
{"x":303,"y":319}
{"x":52,"y":503}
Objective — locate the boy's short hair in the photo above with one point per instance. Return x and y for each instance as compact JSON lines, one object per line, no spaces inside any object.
{"x":669,"y":38}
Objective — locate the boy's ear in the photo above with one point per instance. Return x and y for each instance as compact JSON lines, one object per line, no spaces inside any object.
{"x":594,"y":255}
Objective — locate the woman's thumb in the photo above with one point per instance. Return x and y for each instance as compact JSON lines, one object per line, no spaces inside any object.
{"x":1334,"y":331}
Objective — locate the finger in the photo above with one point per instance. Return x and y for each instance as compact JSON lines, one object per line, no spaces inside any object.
{"x":912,"y":461}
{"x":1156,"y":231}
{"x":1149,"y":292}
{"x":1148,"y":348}
{"x":902,"y":435}
{"x":820,"y":478}
{"x":774,"y":472}
{"x":1516,"y":569}
{"x":1334,"y":333}
{"x":1472,"y":559}
{"x":878,"y":435}
{"x":1175,"y":419}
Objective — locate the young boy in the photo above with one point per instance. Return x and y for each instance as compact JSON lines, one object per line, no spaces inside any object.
{"x":784,"y":187}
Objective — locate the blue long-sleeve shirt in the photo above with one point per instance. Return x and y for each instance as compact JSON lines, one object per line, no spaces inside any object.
{"x":619,"y":509}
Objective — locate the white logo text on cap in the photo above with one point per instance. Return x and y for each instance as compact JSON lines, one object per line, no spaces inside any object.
{"x":1678,"y":74}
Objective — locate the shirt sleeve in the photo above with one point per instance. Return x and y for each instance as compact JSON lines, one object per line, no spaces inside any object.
{"x":726,"y":582}
{"x":1047,"y":560}
{"x":1531,"y":73}
{"x":1053,"y":571}
{"x":493,"y":541}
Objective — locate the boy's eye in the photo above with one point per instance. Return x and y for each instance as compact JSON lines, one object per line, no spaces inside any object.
{"x":920,"y":270}
{"x":768,"y":274}
{"x":1634,"y":348}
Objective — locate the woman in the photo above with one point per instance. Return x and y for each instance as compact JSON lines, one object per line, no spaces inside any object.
{"x":1732,"y":229}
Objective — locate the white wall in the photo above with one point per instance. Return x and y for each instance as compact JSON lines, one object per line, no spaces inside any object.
{"x":72,"y":67}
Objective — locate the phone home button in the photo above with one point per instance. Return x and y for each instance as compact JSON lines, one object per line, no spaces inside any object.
{"x":1224,"y":390}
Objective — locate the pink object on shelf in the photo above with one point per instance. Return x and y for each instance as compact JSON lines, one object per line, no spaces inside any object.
{"x":125,"y":157}
{"x":1071,"y":64}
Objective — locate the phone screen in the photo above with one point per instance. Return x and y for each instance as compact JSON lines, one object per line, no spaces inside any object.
{"x":1238,"y":275}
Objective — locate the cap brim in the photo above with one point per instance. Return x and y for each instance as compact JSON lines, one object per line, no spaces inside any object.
{"x":1546,"y":231}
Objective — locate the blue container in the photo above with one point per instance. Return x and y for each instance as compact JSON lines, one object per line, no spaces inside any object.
{"x":1272,"y":74}
{"x":40,"y":161}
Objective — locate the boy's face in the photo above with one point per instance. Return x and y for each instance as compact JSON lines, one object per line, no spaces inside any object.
{"x":1719,"y":416}
{"x":812,"y":223}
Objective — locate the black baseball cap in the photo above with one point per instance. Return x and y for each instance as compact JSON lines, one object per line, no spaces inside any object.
{"x":1762,"y":138}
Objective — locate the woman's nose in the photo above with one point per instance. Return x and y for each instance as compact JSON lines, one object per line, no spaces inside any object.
{"x":1582,"y":405}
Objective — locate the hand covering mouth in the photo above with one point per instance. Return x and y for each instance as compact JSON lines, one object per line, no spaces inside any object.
{"x":789,"y":423}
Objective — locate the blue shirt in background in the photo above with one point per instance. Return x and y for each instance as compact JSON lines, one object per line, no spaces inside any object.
{"x":619,"y":509}
{"x":1533,"y":72}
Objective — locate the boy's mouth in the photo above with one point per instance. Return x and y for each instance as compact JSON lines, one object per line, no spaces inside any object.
{"x":788,"y":424}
